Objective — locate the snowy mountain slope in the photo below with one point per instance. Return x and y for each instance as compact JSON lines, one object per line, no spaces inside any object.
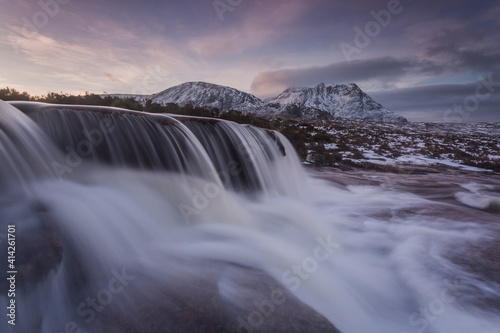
{"x":207,"y":95}
{"x":319,"y":103}
{"x":346,"y":101}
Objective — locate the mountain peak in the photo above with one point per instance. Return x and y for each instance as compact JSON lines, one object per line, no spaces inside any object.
{"x":321,"y":102}
{"x":209,"y":95}
{"x":197,"y":84}
{"x":346,"y":101}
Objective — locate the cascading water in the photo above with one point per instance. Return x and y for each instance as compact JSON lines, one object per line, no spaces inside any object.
{"x":131,"y":222}
{"x":24,"y":149}
{"x":134,"y":139}
{"x":245,"y":156}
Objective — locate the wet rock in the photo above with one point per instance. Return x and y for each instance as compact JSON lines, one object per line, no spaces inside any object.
{"x":316,"y":159}
{"x":228,"y":298}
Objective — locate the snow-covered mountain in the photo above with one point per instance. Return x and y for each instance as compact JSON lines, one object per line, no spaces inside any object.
{"x":319,"y":103}
{"x":346,"y":101}
{"x":207,"y":95}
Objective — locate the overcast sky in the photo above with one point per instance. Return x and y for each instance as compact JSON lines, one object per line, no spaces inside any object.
{"x":428,"y":60}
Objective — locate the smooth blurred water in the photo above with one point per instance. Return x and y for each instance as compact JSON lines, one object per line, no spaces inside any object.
{"x":164,"y":201}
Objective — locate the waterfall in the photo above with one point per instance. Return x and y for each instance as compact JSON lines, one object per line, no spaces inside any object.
{"x":135,"y":222}
{"x":25,"y":151}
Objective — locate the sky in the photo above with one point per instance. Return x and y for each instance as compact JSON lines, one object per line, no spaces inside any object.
{"x":428,"y":60}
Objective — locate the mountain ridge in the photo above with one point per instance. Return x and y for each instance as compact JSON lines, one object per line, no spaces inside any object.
{"x":322,"y":102}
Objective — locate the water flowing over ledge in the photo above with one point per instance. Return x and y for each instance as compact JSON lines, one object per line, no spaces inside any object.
{"x":135,"y":222}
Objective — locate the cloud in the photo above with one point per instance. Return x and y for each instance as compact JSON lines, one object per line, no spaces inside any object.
{"x":379,"y":69}
{"x":211,"y":47}
{"x":457,"y":50}
{"x":78,"y":65}
{"x":446,"y":102}
{"x":464,"y":49}
{"x":120,"y":82}
{"x":253,"y":25}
